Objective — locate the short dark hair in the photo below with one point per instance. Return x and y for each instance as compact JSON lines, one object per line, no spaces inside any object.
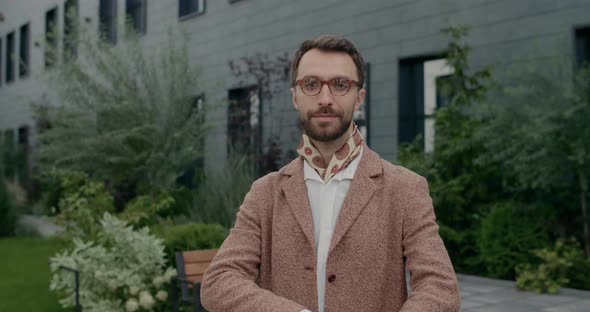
{"x":332,"y":44}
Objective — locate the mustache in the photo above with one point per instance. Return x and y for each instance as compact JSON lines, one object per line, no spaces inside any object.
{"x":323,"y":110}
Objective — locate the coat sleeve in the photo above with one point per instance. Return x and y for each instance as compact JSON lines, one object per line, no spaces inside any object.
{"x":230,"y":282}
{"x":433,"y":281}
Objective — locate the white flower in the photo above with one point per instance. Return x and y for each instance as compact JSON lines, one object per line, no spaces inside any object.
{"x":131,"y":305}
{"x":113,"y":285}
{"x":170,"y":273}
{"x":162,"y":295}
{"x":158,"y":281}
{"x":146,"y":300}
{"x":133,"y":290}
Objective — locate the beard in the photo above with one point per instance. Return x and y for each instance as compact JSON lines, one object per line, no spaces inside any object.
{"x":322,"y":134}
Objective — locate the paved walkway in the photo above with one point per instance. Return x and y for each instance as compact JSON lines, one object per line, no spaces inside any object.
{"x":38,"y":224}
{"x":487,"y":295}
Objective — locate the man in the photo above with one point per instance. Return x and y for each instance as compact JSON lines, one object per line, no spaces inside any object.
{"x":336,"y":228}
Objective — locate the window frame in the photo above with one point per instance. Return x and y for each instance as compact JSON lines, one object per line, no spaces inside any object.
{"x":201,"y":8}
{"x":581,"y":44}
{"x":1,"y":61}
{"x":50,"y":30}
{"x":70,"y":44}
{"x":10,"y":56}
{"x":420,"y":116}
{"x":24,"y":64}
{"x":109,"y":34}
{"x":138,"y":25}
{"x":362,"y":116}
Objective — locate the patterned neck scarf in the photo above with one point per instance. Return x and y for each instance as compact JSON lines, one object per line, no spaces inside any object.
{"x":340,"y":160}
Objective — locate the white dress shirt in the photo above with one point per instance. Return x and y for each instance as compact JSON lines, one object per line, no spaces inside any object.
{"x":326,"y":201}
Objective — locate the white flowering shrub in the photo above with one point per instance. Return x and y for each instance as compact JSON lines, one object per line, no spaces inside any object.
{"x":125,"y":270}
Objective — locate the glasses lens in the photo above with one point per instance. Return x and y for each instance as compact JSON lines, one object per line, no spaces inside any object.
{"x":339,"y":86}
{"x":311,"y":86}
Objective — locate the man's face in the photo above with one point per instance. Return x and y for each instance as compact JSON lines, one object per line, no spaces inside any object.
{"x":326,"y":117}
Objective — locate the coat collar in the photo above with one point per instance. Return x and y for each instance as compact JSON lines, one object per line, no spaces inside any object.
{"x":361,"y":190}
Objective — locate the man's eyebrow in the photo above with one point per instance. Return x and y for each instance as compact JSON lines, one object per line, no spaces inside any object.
{"x":334,"y":77}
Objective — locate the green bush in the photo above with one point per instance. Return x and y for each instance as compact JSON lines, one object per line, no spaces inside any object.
{"x":552,"y":271}
{"x":190,"y":236}
{"x":83,"y":203}
{"x":220,"y":194}
{"x":144,"y":210}
{"x":507,"y":235}
{"x":125,"y":269}
{"x":8,"y":211}
{"x":579,"y":274}
{"x":462,"y":248}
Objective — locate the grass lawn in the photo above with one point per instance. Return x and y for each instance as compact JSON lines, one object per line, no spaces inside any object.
{"x":25,"y":274}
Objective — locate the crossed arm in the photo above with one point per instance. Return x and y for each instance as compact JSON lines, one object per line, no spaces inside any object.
{"x":230,"y":281}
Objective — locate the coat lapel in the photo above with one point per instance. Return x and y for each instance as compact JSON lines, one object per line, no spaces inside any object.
{"x":361,"y":190}
{"x":296,"y":193}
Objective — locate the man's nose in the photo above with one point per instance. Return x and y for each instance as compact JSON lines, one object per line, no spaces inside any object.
{"x":325,"y":96}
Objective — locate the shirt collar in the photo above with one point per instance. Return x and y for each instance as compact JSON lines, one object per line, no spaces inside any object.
{"x":346,"y":174}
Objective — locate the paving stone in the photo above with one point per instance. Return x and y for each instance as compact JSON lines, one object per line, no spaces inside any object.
{"x":512,"y":306}
{"x":489,"y":295}
{"x":576,"y":306}
{"x":470,"y":304}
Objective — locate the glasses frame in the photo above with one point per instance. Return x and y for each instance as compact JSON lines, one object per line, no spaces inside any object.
{"x":326,"y":82}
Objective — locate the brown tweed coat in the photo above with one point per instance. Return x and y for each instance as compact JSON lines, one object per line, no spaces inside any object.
{"x":267,"y":263}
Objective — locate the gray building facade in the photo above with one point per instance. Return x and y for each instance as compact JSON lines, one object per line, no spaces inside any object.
{"x":401,"y":40}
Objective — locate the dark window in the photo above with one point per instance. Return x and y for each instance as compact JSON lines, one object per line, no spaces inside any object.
{"x":108,"y":20}
{"x":362,"y":115}
{"x":190,"y":7}
{"x":243,"y":120}
{"x":8,"y":154}
{"x":1,"y":48}
{"x":25,"y":39}
{"x":582,"y":45}
{"x":10,"y":56}
{"x":70,"y":29}
{"x":411,"y":100}
{"x":135,"y":11}
{"x":419,"y":97}
{"x":190,"y":177}
{"x":51,"y":37}
{"x":22,"y":156}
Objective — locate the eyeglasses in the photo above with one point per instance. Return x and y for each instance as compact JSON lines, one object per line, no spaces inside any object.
{"x":313,"y":85}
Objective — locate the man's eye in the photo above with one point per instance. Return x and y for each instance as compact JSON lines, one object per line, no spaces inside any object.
{"x":310,"y":83}
{"x":340,"y":84}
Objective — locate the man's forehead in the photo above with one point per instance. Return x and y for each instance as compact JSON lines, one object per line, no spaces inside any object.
{"x":326,"y":64}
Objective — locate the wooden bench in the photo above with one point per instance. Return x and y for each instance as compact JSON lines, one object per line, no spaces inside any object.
{"x":191,"y":265}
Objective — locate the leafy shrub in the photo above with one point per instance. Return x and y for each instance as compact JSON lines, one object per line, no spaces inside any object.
{"x":579,"y":274}
{"x":462,"y":248}
{"x":183,"y":200}
{"x":143,"y":210}
{"x":124,"y":270}
{"x":220,"y":194}
{"x":190,"y":236}
{"x":84,"y":201}
{"x":506,"y":237}
{"x":8,"y":213}
{"x":551,"y":274}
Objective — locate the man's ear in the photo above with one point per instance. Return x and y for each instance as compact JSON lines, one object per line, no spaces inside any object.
{"x":360,"y":98}
{"x":294,"y":99}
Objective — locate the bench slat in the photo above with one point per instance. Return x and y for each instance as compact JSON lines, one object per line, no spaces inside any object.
{"x":195,"y":268}
{"x":199,"y":256}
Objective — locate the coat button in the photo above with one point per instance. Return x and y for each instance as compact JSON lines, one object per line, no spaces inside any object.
{"x":308,"y":268}
{"x":331,"y":278}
